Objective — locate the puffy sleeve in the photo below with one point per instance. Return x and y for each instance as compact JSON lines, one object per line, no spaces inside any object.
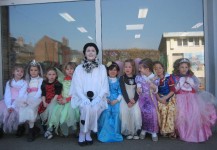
{"x":171,"y":84}
{"x":119,"y":92}
{"x":7,"y":96}
{"x":58,"y":88}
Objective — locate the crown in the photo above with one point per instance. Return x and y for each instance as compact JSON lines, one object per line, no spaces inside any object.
{"x":184,"y":60}
{"x":34,"y":63}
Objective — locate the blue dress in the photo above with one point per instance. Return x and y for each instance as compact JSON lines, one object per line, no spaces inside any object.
{"x":109,"y":125}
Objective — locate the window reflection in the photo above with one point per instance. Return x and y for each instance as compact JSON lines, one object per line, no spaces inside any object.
{"x":160,"y":30}
{"x":52,"y":33}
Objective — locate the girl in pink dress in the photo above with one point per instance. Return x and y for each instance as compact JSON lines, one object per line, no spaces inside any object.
{"x":195,"y":111}
{"x":14,"y":90}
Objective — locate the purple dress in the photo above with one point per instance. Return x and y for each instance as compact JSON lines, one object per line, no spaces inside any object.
{"x":148,"y":104}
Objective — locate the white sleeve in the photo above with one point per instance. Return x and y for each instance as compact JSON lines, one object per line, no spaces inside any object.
{"x":7,"y":96}
{"x":76,"y":90}
{"x":39,"y":92}
{"x":22,"y":92}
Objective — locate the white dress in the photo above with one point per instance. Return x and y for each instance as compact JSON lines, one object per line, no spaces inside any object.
{"x":29,"y":105}
{"x":82,"y":82}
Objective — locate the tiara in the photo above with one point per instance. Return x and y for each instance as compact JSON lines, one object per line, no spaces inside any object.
{"x":184,"y":60}
{"x":34,"y":63}
{"x":109,"y":64}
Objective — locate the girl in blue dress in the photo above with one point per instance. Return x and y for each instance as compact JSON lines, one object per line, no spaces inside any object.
{"x":109,"y":129}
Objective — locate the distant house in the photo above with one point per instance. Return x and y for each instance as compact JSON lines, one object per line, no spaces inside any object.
{"x":50,"y":50}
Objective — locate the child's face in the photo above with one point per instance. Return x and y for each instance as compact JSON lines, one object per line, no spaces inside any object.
{"x":18,"y":73}
{"x":128,"y":69}
{"x":34,"y":72}
{"x":113,"y":73}
{"x":144,"y":71}
{"x":51,"y":76}
{"x":159,"y":70}
{"x":90,"y":53}
{"x":69,"y":71}
{"x":183,"y":68}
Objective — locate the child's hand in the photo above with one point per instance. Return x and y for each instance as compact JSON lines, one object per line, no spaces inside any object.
{"x":114,"y":102}
{"x":10,"y":110}
{"x":59,"y":100}
{"x":132,"y":101}
{"x":139,"y":90}
{"x":152,"y":86}
{"x":45,"y":104}
{"x":63,"y":101}
{"x":130,"y":105}
{"x":163,"y":100}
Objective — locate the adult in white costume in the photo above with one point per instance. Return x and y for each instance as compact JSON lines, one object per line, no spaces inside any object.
{"x":89,"y":89}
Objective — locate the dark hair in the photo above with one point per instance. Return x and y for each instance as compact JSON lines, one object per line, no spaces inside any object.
{"x":71,"y":64}
{"x":15,"y":67}
{"x":50,"y":69}
{"x":112,"y":66}
{"x":132,"y":62}
{"x":160,"y":63}
{"x":147,"y":63}
{"x":180,"y":61}
{"x":88,"y":45}
{"x":39,"y":70}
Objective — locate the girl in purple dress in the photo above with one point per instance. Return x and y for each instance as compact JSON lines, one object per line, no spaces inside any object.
{"x":147,"y":89}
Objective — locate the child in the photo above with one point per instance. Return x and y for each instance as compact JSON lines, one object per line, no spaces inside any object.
{"x":195,"y":115}
{"x":147,"y":89}
{"x":166,"y":101}
{"x":129,"y":109}
{"x":109,"y":129}
{"x":15,"y":89}
{"x":51,"y":89}
{"x":62,"y":115}
{"x":29,"y":105}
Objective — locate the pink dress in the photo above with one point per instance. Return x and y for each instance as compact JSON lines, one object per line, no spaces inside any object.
{"x":195,"y":114}
{"x":14,"y":92}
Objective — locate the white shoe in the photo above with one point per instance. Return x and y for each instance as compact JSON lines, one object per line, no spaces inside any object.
{"x":129,"y":137}
{"x":135,"y":137}
{"x":142,"y":135}
{"x":48,"y":135}
{"x":154,"y":138}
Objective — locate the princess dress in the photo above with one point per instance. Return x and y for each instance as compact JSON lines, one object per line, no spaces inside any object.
{"x":195,"y":113}
{"x":29,"y":105}
{"x":131,"y":120}
{"x":148,"y":104}
{"x":13,"y":93}
{"x":167,"y":111}
{"x":109,"y":125}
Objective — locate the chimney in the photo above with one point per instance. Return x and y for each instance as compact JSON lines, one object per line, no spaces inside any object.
{"x":65,"y":41}
{"x":20,"y":41}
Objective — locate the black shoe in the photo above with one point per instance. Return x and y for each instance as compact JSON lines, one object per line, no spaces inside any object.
{"x":82,"y":122}
{"x":82,"y":143}
{"x":20,"y":131}
{"x":36,"y":131}
{"x":1,"y":132}
{"x":31,"y":135}
{"x":89,"y":142}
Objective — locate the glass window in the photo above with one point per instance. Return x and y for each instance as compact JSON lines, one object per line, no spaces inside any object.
{"x":134,"y":29}
{"x":52,"y":33}
{"x":196,"y":41}
{"x":179,"y":42}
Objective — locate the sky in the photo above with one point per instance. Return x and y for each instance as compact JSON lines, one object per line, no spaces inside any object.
{"x":32,"y":22}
